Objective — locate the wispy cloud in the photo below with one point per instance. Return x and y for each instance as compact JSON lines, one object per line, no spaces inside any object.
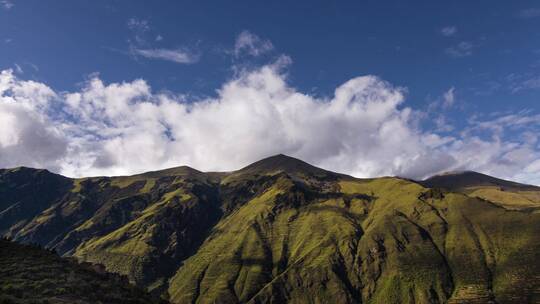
{"x":18,"y":69}
{"x":144,"y":39}
{"x":6,"y":4}
{"x":513,"y":83}
{"x":443,"y":102}
{"x":448,"y":99}
{"x":138,"y":24}
{"x":139,"y":28}
{"x":449,"y":31}
{"x":462,"y":49}
{"x":532,"y":83}
{"x":251,"y":44}
{"x":529,"y":13}
{"x":27,"y":66}
{"x":175,"y":55}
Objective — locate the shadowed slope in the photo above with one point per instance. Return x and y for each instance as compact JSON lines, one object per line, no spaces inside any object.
{"x":25,"y":193}
{"x":32,"y":275}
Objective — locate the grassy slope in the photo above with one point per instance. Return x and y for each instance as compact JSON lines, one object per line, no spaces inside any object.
{"x":392,"y":248}
{"x":505,"y":193}
{"x":282,"y":230}
{"x":32,"y":275}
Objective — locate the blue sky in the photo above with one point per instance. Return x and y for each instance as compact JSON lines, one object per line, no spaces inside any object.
{"x":462,"y":67}
{"x":329,"y":43}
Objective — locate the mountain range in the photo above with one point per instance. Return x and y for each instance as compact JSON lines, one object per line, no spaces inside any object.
{"x":283,"y":231}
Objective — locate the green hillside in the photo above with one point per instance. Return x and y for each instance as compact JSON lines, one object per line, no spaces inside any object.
{"x":29,"y":274}
{"x":283,"y":231}
{"x":507,"y":194}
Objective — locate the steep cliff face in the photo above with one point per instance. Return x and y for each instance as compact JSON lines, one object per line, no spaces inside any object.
{"x":281,"y":230}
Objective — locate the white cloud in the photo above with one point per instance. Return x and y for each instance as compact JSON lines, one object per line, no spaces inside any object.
{"x":364,"y":129}
{"x":174,"y":55}
{"x":462,"y":49}
{"x":141,"y":45}
{"x":442,"y":124}
{"x":251,"y":44}
{"x":27,"y":134}
{"x":6,"y":4}
{"x":449,"y":31}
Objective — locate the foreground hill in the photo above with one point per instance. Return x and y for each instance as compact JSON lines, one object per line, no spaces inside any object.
{"x":32,"y":275}
{"x":281,"y":230}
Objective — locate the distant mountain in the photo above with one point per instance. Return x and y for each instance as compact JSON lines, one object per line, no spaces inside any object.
{"x":283,"y":231}
{"x":508,"y":194}
{"x":29,"y":274}
{"x":467,"y":179}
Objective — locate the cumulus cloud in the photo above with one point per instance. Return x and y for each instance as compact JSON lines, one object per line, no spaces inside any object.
{"x":251,"y":44}
{"x":27,"y":134}
{"x":365,"y":129}
{"x":449,"y":31}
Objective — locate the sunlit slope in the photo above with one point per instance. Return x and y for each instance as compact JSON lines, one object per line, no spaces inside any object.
{"x":281,"y":230}
{"x":375,"y":241}
{"x":505,"y":193}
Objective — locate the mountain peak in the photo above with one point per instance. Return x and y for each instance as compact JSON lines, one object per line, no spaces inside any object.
{"x":281,"y":162}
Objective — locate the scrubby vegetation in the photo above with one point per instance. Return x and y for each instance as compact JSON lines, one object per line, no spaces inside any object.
{"x":30,"y":274}
{"x":281,"y":230}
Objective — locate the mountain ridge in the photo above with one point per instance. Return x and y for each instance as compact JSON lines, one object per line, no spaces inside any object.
{"x":281,"y":230}
{"x":289,"y":164}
